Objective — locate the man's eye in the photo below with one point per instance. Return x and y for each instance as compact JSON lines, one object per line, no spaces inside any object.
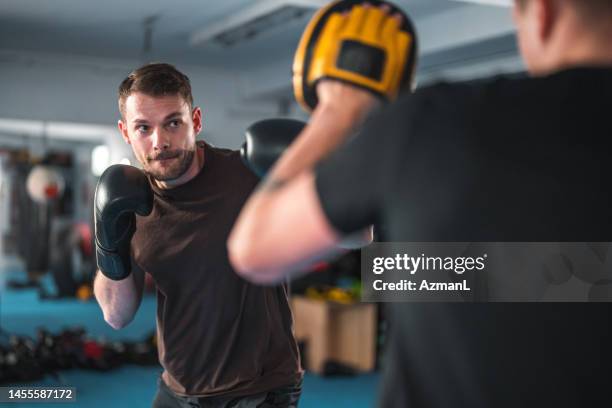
{"x":174,"y":123}
{"x":142,"y":128}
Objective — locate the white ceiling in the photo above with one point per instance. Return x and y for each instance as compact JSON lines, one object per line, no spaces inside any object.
{"x":457,"y":40}
{"x":115,"y":29}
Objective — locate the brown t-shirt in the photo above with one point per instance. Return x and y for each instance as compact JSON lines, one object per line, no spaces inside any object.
{"x":217,"y":333}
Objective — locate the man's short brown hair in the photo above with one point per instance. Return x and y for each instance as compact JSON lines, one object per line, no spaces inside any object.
{"x":155,"y":79}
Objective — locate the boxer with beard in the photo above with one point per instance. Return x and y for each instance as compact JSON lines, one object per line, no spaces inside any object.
{"x":222,"y":340}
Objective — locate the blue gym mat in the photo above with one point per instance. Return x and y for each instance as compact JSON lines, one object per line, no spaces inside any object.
{"x":21,"y":312}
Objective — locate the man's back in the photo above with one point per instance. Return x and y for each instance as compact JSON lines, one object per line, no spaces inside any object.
{"x":503,"y":160}
{"x":506,"y":160}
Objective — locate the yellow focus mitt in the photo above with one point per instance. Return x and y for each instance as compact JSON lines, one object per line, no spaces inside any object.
{"x":359,"y":45}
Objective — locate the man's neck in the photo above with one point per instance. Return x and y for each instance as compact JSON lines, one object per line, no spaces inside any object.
{"x":194,"y":169}
{"x":582,"y":48}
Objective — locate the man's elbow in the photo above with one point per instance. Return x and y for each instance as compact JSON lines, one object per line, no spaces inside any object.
{"x":117,"y":322}
{"x":247,"y":262}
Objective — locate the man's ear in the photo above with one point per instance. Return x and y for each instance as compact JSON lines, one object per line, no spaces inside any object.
{"x":546,"y":13}
{"x":196,"y":116}
{"x":516,"y":12}
{"x":123,"y":130}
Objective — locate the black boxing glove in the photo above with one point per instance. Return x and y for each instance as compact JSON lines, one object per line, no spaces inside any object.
{"x":266,"y":141}
{"x":122,"y":192}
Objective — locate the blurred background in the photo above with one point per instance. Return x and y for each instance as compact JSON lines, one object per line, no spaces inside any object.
{"x":61,"y":63}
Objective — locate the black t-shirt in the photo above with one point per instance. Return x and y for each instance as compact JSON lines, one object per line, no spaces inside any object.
{"x":217,"y":333}
{"x":523,"y":159}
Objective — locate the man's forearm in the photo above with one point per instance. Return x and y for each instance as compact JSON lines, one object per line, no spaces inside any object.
{"x":119,"y":300}
{"x":260,"y":246}
{"x":328,"y":128}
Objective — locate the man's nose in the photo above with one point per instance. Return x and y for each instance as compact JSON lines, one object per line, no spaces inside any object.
{"x":161,"y":140}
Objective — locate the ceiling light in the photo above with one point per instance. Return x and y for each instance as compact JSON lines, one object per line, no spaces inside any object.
{"x":502,"y":3}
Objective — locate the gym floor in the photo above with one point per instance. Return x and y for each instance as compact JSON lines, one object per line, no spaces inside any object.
{"x":22,"y":312}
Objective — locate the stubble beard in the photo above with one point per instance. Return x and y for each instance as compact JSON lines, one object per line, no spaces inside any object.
{"x":181,"y":161}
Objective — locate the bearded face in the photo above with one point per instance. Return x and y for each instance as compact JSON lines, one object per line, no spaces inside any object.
{"x":162,"y":132}
{"x":169,"y":165}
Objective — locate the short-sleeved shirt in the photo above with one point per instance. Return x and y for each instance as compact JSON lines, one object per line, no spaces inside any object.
{"x":504,"y":159}
{"x":217,"y":333}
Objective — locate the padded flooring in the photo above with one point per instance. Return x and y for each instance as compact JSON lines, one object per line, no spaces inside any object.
{"x":22,"y":312}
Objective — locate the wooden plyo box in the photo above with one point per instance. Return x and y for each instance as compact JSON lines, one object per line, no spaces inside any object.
{"x":335,"y":332}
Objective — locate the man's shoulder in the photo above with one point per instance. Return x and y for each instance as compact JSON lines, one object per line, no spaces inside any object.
{"x":222,"y":152}
{"x":463,"y":104}
{"x":463,"y":95}
{"x":232,"y":165}
{"x":518,"y":90}
{"x":222,"y":156}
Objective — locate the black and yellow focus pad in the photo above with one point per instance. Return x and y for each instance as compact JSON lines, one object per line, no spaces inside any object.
{"x":363,"y":46}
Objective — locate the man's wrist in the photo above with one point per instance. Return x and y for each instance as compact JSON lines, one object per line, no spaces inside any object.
{"x":330,"y":125}
{"x":350,"y":115}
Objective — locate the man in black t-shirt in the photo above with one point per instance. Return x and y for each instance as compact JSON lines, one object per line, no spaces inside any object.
{"x":496,"y":160}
